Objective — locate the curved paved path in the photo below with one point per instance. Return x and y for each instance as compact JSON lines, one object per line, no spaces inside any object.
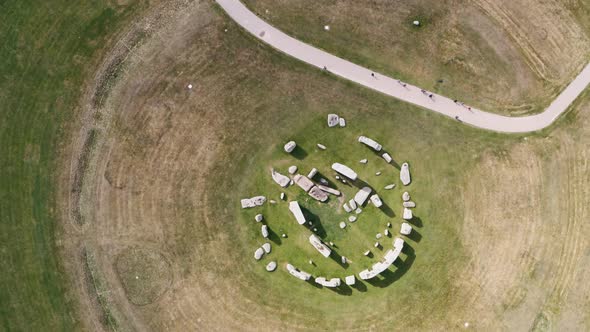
{"x":411,"y":94}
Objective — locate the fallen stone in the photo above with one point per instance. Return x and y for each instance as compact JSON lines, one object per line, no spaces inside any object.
{"x":378,"y":173}
{"x":352,"y":218}
{"x":406,"y":196}
{"x":345,"y":170}
{"x":364,"y":161}
{"x":404,"y":174}
{"x":266,"y":247}
{"x":378,"y":236}
{"x":290,"y":146}
{"x":280,"y":179}
{"x":321,"y":146}
{"x":358,"y":211}
{"x":264,"y":231}
{"x":370,"y":143}
{"x":258,"y":254}
{"x":252,"y":202}
{"x":342,"y":122}
{"x":318,"y":194}
{"x":352,"y":204}
{"x":376,"y":200}
{"x":406,"y":229}
{"x":342,"y":225}
{"x":409,"y":204}
{"x":303,"y":182}
{"x":312,"y":173}
{"x":258,"y":217}
{"x":329,"y":190}
{"x":346,"y":207}
{"x":333,"y":120}
{"x":271,"y":266}
{"x":387,"y":157}
{"x":272,"y":201}
{"x":362,"y":195}
{"x":292,"y":169}
{"x":389,"y":186}
{"x":407,"y":214}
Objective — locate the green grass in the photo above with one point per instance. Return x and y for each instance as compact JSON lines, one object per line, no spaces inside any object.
{"x":46,"y":51}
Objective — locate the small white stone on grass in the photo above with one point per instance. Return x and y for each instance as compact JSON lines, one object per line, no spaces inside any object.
{"x":409,"y":204}
{"x":364,"y":161}
{"x":271,"y":266}
{"x":283,"y":196}
{"x":343,"y":260}
{"x":266,"y":247}
{"x":378,"y":236}
{"x":342,"y":122}
{"x":337,"y":177}
{"x":327,"y":27}
{"x":406,"y":196}
{"x":290,"y":146}
{"x":377,"y":173}
{"x":321,"y":146}
{"x":358,"y":211}
{"x":342,"y":225}
{"x":367,"y":253}
{"x":416,"y":23}
{"x":272,"y":201}
{"x":291,"y":183}
{"x":352,"y":218}
{"x":315,"y":229}
{"x":258,"y":217}
{"x":389,"y":186}
{"x":386,"y":232}
{"x":292,"y":169}
{"x":388,"y":224}
{"x":333,"y":120}
{"x":284,"y":235}
{"x":190,"y":86}
{"x":377,"y":244}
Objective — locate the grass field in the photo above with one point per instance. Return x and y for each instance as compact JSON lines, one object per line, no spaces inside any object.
{"x":501,"y":240}
{"x":48,"y":49}
{"x":509,"y":57}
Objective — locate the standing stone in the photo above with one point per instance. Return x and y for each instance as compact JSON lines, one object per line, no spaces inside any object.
{"x":266,"y":247}
{"x":342,"y":224}
{"x":258,"y":217}
{"x":333,"y":120}
{"x":406,"y":229}
{"x":264,"y":231}
{"x":358,"y":211}
{"x":407,"y":215}
{"x":290,"y":146}
{"x":271,"y":266}
{"x":406,"y":196}
{"x":364,"y":161}
{"x":342,"y":122}
{"x":283,"y":196}
{"x":404,"y":174}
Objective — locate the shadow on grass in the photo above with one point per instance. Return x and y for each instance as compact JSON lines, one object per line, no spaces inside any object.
{"x":415,"y":236}
{"x":360,"y":286}
{"x":274,"y":237}
{"x":299,"y":153}
{"x":338,"y":259}
{"x":388,"y":277}
{"x":316,"y":223}
{"x":416,"y":221}
{"x":387,"y":210}
{"x":343,"y":289}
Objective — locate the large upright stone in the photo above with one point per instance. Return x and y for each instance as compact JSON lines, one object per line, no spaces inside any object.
{"x":290,"y":146}
{"x":292,"y":169}
{"x":280,"y":179}
{"x":333,"y":120}
{"x":407,"y":215}
{"x":404,"y":174}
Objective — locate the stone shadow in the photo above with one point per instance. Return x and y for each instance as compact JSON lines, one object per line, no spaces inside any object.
{"x":299,"y":153}
{"x":316,"y":223}
{"x":343,"y":289}
{"x":416,"y":221}
{"x":273,"y":236}
{"x":385,"y":208}
{"x":415,"y":236}
{"x":360,"y":286}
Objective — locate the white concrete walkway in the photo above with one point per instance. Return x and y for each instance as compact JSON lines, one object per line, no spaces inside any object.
{"x":411,"y":94}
